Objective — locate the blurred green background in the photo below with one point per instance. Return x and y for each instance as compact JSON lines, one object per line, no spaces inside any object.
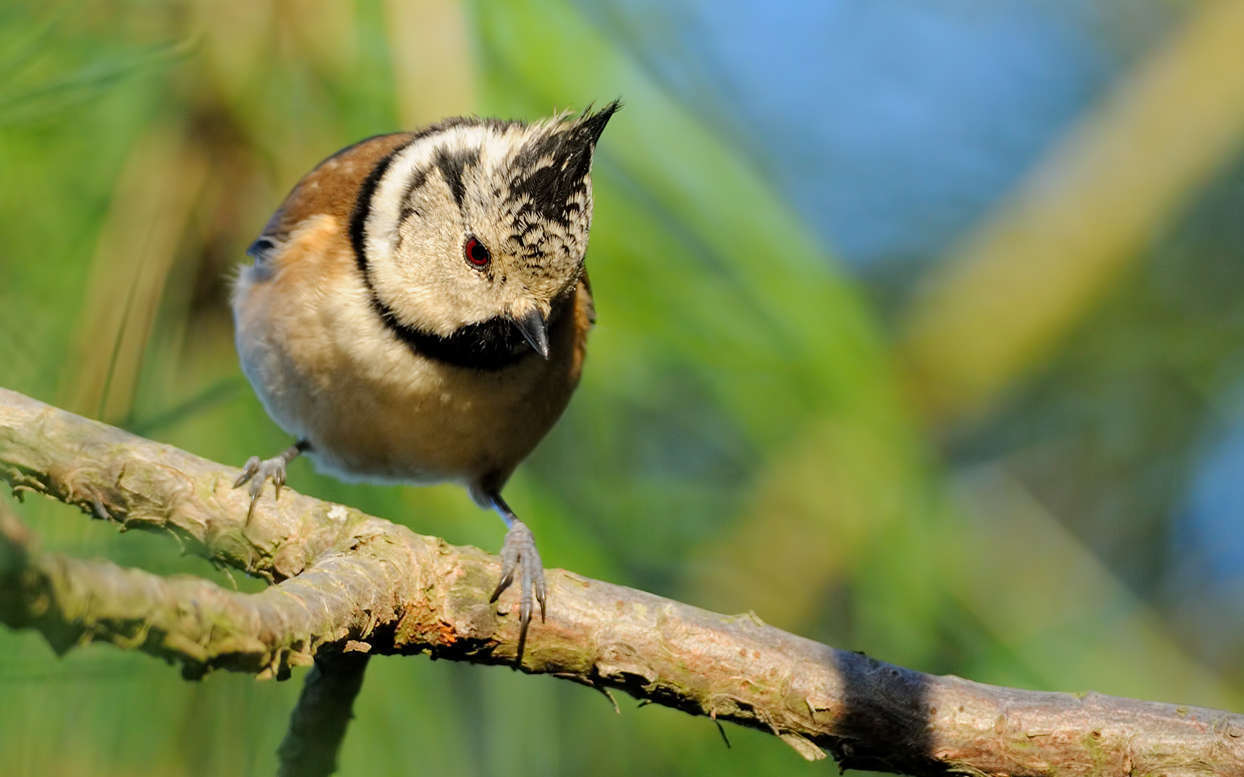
{"x":920,"y":334}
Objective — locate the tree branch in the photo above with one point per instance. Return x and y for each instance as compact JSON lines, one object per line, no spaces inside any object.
{"x":320,"y":718}
{"x":348,"y":582}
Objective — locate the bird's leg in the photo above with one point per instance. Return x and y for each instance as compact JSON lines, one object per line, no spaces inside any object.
{"x":257,"y":471}
{"x":519,"y":557}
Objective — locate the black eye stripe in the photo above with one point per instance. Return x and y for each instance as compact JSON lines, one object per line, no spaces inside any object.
{"x":362,"y":209}
{"x":453,"y":165}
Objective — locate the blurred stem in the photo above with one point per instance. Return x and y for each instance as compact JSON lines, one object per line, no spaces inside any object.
{"x":354,"y":583}
{"x":214,"y":394}
{"x":324,"y":709}
{"x":134,"y":257}
{"x":1039,"y":264}
{"x":427,"y":90}
{"x":799,"y":366}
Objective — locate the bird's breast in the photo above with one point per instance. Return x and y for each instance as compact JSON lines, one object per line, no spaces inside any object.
{"x":372,"y":406}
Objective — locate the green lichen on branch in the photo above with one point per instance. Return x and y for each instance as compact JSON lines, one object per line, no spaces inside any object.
{"x":186,"y":620}
{"x":347,"y":582}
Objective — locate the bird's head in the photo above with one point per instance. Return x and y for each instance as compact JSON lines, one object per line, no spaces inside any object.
{"x":478,"y":227}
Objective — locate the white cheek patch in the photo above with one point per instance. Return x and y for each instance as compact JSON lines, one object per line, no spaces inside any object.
{"x":412,"y":262}
{"x":386,"y":201}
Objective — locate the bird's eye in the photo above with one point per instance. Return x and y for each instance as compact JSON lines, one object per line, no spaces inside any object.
{"x":476,"y":253}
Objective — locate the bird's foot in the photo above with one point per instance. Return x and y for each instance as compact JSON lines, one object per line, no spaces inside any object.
{"x":520,"y":558}
{"x":259,"y":471}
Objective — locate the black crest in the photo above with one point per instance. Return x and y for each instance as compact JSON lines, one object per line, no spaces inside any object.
{"x":549,"y":189}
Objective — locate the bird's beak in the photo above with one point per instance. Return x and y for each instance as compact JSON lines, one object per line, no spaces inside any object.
{"x":535,"y":330}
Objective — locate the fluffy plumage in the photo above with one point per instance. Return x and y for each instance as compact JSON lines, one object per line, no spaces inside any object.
{"x":398,"y":297}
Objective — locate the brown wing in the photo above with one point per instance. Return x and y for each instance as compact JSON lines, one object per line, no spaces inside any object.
{"x":584,"y":318}
{"x":331,"y":189}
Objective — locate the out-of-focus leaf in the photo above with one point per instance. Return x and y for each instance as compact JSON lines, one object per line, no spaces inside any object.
{"x":701,"y":270}
{"x":1016,"y":285}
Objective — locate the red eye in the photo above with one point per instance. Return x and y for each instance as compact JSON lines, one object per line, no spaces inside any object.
{"x":476,"y":254}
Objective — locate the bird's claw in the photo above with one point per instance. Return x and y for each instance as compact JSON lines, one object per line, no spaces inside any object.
{"x":258,"y":471}
{"x":520,"y":557}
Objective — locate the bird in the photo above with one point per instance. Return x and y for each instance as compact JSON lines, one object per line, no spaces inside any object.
{"x":417,"y":311}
